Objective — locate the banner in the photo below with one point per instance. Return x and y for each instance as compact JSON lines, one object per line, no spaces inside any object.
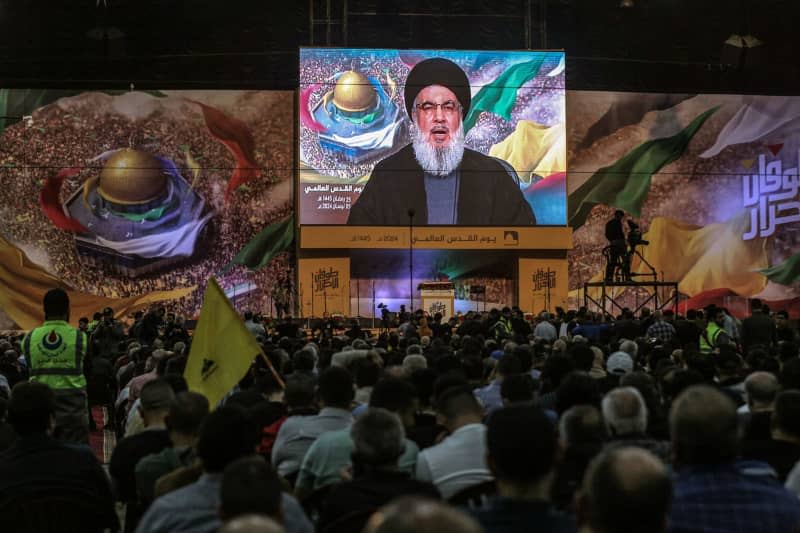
{"x":543,"y":284}
{"x":324,"y":286}
{"x":435,"y":238}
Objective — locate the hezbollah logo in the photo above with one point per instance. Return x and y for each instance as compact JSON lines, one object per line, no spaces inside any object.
{"x":209,"y":367}
{"x":52,"y":341}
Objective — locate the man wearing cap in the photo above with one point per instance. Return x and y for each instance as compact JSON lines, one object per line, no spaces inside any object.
{"x":619,"y":363}
{"x":55,"y":353}
{"x":435,"y":180}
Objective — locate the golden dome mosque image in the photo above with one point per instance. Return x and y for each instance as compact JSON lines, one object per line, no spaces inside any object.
{"x":353,"y":93}
{"x":132,"y":177}
{"x":140,"y":213}
{"x":358,"y":118}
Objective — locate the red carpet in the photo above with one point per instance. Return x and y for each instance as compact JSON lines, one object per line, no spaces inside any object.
{"x":102,"y":441}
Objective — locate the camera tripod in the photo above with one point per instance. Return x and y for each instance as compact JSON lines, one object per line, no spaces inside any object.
{"x":621,"y":271}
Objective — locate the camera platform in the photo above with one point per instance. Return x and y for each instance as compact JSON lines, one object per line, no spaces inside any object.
{"x":663,"y":295}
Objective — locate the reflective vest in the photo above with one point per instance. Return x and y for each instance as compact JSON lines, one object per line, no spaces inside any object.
{"x":55,"y":352}
{"x":711,"y":333}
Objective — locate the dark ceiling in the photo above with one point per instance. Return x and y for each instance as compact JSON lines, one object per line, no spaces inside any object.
{"x":655,"y":45}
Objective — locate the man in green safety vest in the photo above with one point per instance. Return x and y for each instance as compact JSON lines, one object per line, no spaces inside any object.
{"x":714,"y":335}
{"x":55,"y":352}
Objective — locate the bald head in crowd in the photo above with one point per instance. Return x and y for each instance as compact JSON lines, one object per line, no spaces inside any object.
{"x":625,"y":412}
{"x":704,"y":427}
{"x":414,"y":515}
{"x":252,"y":523}
{"x":761,"y":389}
{"x":625,"y":490}
{"x":581,"y":424}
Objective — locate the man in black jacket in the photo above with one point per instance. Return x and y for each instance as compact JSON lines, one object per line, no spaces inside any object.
{"x":758,"y":328}
{"x":435,"y":180}
{"x":67,"y":480}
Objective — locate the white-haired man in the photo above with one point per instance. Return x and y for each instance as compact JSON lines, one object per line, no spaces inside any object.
{"x":435,"y":179}
{"x":625,"y":414}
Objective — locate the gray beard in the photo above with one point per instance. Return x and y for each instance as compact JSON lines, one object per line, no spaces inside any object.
{"x":438,"y":161}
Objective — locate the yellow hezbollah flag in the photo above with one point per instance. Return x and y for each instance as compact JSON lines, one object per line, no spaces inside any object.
{"x":23,"y":285}
{"x":222,"y":347}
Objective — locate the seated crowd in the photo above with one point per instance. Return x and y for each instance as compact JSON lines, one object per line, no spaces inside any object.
{"x":487,"y":423}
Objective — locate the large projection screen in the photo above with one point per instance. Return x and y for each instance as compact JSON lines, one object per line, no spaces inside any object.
{"x":355,"y":113}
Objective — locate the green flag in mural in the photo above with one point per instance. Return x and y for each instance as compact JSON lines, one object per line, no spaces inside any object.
{"x":786,"y":273}
{"x":500,"y":96}
{"x":272,"y":240}
{"x":625,"y":184}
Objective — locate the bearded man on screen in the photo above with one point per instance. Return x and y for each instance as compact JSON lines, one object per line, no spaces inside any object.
{"x":436,"y":176}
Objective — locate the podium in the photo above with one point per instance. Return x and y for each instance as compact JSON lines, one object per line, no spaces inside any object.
{"x":438,"y":297}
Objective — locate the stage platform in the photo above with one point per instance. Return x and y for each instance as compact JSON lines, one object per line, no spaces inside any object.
{"x":603,"y":295}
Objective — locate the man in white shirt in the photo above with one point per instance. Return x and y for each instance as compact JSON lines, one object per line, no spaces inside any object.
{"x":544,"y":329}
{"x":459,"y":461}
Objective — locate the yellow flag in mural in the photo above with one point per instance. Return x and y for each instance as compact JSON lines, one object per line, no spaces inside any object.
{"x":700,"y":258}
{"x":534,"y":148}
{"x":708,"y":257}
{"x":23,"y":284}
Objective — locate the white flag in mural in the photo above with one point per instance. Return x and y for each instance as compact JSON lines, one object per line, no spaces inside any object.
{"x":757,"y":118}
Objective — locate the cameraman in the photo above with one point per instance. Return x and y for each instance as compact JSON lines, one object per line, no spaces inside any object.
{"x":107,"y":335}
{"x":617,"y":248}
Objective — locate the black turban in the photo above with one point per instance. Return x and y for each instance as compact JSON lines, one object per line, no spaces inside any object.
{"x":437,"y":71}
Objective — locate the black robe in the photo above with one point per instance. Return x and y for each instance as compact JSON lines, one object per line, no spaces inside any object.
{"x":489,"y":193}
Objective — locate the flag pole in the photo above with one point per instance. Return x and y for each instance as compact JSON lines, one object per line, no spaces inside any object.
{"x":271,"y":368}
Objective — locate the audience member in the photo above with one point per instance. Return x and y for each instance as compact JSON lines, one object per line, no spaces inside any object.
{"x":758,"y":329}
{"x":252,"y":523}
{"x":379,"y":441}
{"x":156,"y":398}
{"x":625,"y":414}
{"x":250,"y":486}
{"x":582,"y":436}
{"x":331,"y":453}
{"x":415,"y":515}
{"x":226,"y":435}
{"x":626,"y":490}
{"x":183,"y":422}
{"x":298,"y":433}
{"x":458,"y":462}
{"x":713,"y":491}
{"x":761,"y":388}
{"x":523,"y":450}
{"x":489,"y":396}
{"x":38,"y":472}
{"x":7,"y":435}
{"x":782,"y":450}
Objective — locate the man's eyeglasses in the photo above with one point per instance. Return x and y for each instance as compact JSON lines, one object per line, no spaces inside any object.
{"x":448,"y":107}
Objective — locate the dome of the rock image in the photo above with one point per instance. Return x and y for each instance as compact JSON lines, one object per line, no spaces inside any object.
{"x":132,"y":177}
{"x":354,"y":93}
